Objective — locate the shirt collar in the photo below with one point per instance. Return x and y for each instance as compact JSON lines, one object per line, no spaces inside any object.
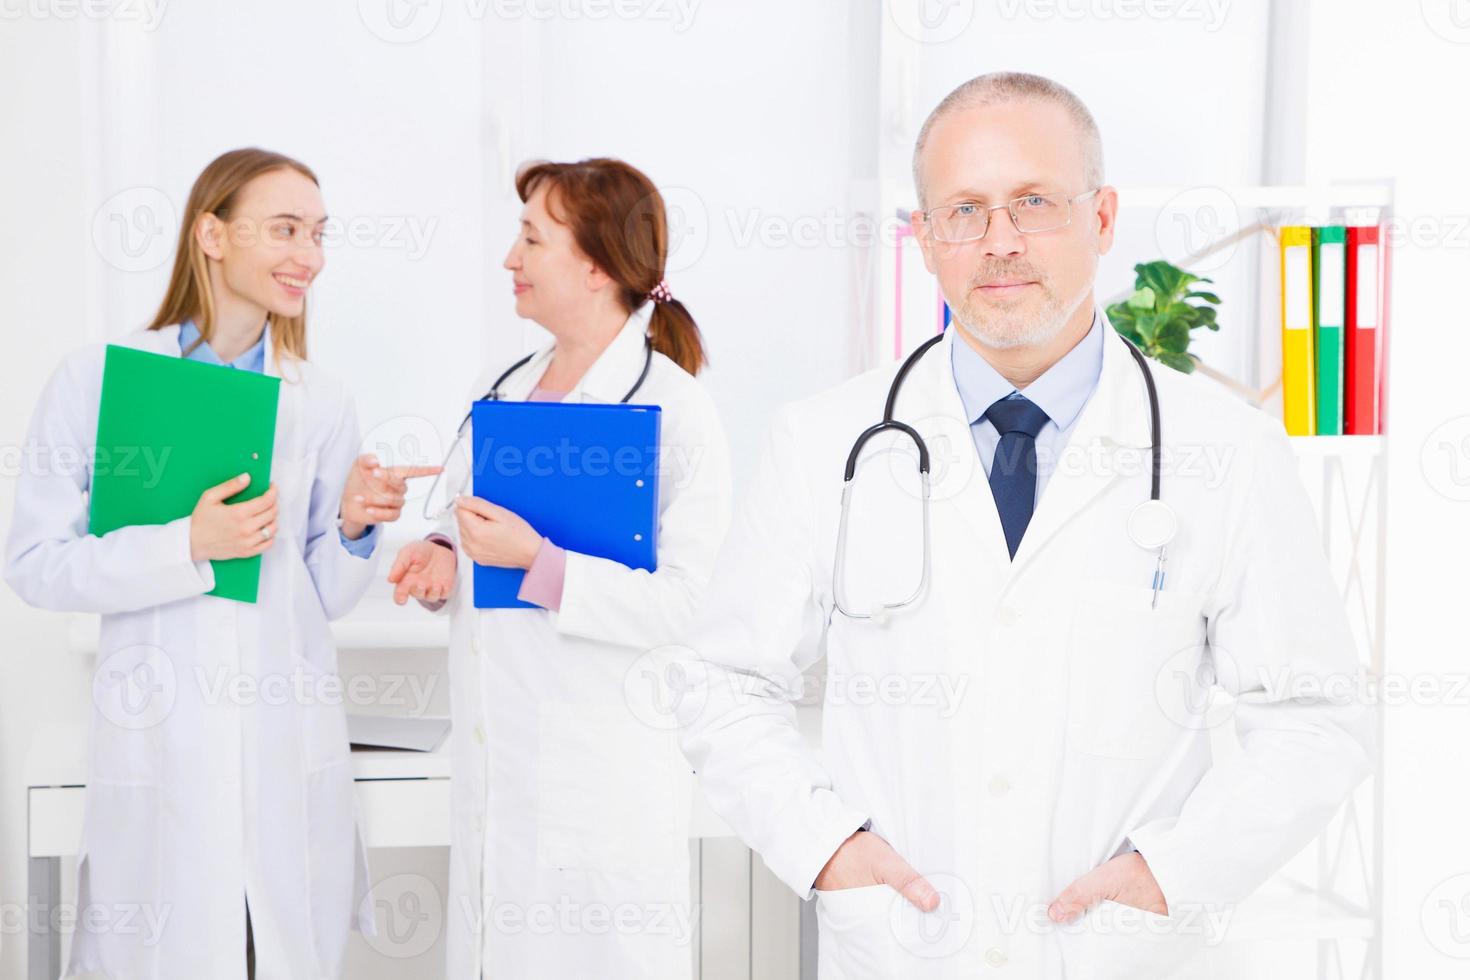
{"x":252,"y":360}
{"x":1060,"y":392}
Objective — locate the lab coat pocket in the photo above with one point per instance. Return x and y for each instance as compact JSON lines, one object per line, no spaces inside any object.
{"x":856,"y":939}
{"x":1138,"y":680}
{"x":607,"y":790}
{"x":1119,"y":942}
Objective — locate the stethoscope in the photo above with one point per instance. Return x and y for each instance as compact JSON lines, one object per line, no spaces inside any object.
{"x":493,"y":395}
{"x":1152,"y":524}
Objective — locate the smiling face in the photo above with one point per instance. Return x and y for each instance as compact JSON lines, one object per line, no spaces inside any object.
{"x":268,"y":247}
{"x":554,"y":281}
{"x":1010,"y":289}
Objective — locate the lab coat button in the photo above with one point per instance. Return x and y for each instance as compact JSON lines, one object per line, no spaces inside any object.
{"x":999,"y":786}
{"x":1007,"y":616}
{"x":995,"y":957}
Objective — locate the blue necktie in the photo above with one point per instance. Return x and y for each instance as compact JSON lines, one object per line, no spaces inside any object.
{"x":1013,"y":471}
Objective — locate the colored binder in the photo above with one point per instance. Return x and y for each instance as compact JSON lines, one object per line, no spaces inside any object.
{"x":167,"y":430}
{"x":1329,"y":297}
{"x":584,"y":476}
{"x":1367,"y":284}
{"x":1297,"y":388}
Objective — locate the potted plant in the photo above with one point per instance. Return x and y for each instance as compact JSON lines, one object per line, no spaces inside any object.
{"x":1162,"y":311}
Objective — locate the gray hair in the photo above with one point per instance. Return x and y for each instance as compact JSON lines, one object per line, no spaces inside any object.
{"x":1009,"y":86}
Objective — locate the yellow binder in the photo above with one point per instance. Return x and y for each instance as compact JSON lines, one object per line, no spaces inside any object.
{"x":1298,"y":391}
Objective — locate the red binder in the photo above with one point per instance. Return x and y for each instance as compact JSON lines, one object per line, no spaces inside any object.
{"x":1367,"y":304}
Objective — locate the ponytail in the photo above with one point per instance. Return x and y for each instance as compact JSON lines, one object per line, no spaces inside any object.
{"x":674,"y":334}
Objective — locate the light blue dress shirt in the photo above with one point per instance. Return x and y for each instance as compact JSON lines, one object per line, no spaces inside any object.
{"x":1061,"y":392}
{"x":254,"y":360}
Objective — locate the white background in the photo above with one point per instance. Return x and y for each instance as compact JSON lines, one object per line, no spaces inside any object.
{"x":776,"y":128}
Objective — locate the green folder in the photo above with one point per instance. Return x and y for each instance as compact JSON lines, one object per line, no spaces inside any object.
{"x":1329,"y":314}
{"x":168,"y":429}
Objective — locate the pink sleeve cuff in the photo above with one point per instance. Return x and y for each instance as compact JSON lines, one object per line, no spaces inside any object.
{"x":545,"y":578}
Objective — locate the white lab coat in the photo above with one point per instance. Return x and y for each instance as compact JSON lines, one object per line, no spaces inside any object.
{"x":1025,"y":719}
{"x":196,"y":795}
{"x":570,"y":849}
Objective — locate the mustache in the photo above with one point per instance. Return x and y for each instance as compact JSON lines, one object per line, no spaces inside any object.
{"x":987,"y":276}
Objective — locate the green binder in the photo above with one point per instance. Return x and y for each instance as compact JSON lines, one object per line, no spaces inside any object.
{"x":168,"y":429}
{"x":1329,"y":314}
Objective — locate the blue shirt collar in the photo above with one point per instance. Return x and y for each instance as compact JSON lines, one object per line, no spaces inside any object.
{"x":252,"y":360}
{"x":1060,"y":392}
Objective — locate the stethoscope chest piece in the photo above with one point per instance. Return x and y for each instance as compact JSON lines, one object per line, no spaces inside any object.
{"x":1152,"y":524}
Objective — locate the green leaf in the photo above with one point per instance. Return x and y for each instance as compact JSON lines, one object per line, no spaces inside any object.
{"x":1147,"y":328}
{"x":1207,"y":297}
{"x":1173,"y":336}
{"x":1142,"y":299}
{"x":1164,"y":279}
{"x":1179,"y":362}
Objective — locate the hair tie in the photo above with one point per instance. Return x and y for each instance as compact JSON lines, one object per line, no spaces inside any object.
{"x":660,"y":293}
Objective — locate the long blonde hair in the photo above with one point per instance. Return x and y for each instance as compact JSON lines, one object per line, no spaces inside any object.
{"x":189,"y":295}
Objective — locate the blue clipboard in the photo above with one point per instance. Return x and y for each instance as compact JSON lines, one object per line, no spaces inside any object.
{"x":585,"y":476}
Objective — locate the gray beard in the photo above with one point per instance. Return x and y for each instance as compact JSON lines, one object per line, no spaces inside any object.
{"x":1005,"y":330}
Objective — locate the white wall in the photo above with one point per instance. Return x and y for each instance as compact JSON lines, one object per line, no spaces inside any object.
{"x":1385,"y":93}
{"x":41,"y":312}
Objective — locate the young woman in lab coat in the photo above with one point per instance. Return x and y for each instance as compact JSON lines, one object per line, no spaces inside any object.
{"x":218,"y":754}
{"x":570,"y":851}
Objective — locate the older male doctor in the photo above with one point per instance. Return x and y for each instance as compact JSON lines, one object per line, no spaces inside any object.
{"x":1015,"y":775}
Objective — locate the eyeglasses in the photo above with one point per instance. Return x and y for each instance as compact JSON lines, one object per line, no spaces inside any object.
{"x":1032,"y":213}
